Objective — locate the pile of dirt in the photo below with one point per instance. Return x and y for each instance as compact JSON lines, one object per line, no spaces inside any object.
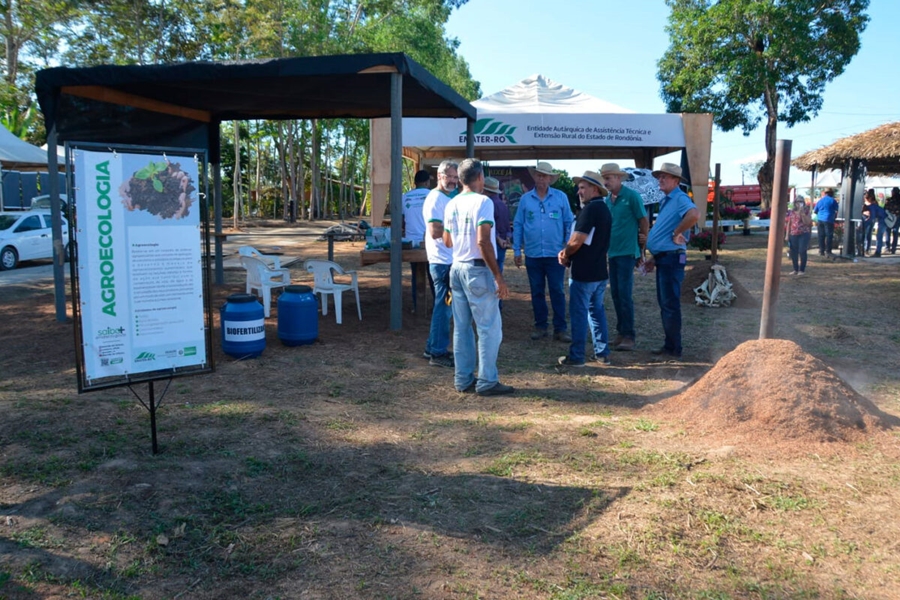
{"x":768,"y":391}
{"x":695,"y":275}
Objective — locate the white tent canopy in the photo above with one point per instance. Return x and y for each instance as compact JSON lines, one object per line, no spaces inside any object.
{"x":539,"y":118}
{"x":19,"y":154}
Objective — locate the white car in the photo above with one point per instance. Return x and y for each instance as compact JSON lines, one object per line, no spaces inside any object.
{"x":43,"y":203}
{"x":27,"y":236}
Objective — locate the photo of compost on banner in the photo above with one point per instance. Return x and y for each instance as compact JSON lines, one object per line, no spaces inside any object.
{"x":139,"y":267}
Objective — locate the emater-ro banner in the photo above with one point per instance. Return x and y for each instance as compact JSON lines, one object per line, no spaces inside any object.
{"x":549,"y":129}
{"x":139,"y":263}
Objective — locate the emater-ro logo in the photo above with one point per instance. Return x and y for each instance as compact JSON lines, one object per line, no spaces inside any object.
{"x":491,"y":131}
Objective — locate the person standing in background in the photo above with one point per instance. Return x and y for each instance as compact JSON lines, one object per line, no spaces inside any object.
{"x":542,"y":225}
{"x":413,"y":200}
{"x":798,"y":230}
{"x":626,"y":245}
{"x":586,"y":252}
{"x":477,"y":285}
{"x":892,"y":219}
{"x":826,"y":212}
{"x":440,"y":257}
{"x":667,"y":244}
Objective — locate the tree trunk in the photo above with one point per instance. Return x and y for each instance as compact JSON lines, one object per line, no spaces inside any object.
{"x":258,"y":167}
{"x":314,"y":166}
{"x":237,"y":173}
{"x":766,"y":175}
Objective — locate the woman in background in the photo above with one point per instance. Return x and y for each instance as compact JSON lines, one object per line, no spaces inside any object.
{"x":892,"y":208}
{"x":873,"y":215}
{"x":799,"y":230}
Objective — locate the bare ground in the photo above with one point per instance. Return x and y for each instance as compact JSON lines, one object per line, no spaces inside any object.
{"x":352,"y":469}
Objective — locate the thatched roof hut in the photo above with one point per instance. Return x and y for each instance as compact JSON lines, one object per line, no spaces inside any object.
{"x":879,"y":147}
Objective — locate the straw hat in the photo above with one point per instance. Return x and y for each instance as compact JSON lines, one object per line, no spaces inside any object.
{"x":669,"y":169}
{"x":546,"y":169}
{"x":491,"y":185}
{"x":612,"y":169}
{"x":593,"y":179}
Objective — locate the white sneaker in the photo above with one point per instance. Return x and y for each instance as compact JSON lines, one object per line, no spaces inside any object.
{"x":802,"y":273}
{"x":792,"y":273}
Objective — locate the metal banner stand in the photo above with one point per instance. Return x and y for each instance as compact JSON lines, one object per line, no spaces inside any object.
{"x":151,"y":405}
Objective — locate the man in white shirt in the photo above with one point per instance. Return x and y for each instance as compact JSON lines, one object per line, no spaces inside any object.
{"x":476,"y":283}
{"x":440,"y":257}
{"x":413,"y":201}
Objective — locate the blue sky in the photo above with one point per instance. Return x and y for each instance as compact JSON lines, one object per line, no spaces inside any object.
{"x":610,"y":50}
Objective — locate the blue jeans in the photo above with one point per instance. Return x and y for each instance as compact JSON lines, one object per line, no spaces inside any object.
{"x":475,"y":300}
{"x":547,"y":269}
{"x":893,"y":234}
{"x":798,"y":245}
{"x":586,"y":308}
{"x":501,"y":258}
{"x":621,"y":284}
{"x":825,"y":231}
{"x":669,"y":276}
{"x":439,"y":335}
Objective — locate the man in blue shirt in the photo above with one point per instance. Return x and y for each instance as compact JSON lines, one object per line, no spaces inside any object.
{"x":542,"y":225}
{"x":826,"y":211}
{"x":667,"y":244}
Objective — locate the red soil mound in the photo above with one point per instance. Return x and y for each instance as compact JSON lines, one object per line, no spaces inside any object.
{"x":772,"y":391}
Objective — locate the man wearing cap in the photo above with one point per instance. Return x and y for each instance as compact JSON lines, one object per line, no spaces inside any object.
{"x":541,"y":226}
{"x":626,"y":244}
{"x":440,"y":257}
{"x":476,"y":283}
{"x":413,"y":200}
{"x":501,"y":219}
{"x":586,"y":252}
{"x":667,"y":244}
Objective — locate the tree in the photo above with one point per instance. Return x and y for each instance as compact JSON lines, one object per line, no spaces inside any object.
{"x":749,"y":60}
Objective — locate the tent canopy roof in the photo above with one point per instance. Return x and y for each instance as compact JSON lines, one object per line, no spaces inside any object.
{"x":167,"y":103}
{"x":879,"y":147}
{"x":19,"y":154}
{"x":539,"y":94}
{"x":540,"y":118}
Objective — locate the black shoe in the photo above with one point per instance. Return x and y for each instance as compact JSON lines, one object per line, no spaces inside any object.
{"x":665,"y":352}
{"x":427,"y":355}
{"x":469,"y":390}
{"x":877,"y":255}
{"x":562,"y":336}
{"x":539,"y":334}
{"x":499,"y":389}
{"x":442,"y":361}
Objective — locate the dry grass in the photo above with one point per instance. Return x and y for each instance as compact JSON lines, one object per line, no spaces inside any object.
{"x":352,"y":469}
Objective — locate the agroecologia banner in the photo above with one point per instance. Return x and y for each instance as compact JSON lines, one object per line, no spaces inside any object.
{"x":140,"y":293}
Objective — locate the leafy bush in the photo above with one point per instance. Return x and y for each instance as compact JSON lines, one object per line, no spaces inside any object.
{"x":703,"y":240}
{"x":737,"y":213}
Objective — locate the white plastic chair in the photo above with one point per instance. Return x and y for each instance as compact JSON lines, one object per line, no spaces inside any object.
{"x":323,"y":283}
{"x":270,"y":259}
{"x":264,"y":278}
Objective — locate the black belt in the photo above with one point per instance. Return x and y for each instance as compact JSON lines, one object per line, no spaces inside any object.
{"x":475,"y":261}
{"x":666,"y":253}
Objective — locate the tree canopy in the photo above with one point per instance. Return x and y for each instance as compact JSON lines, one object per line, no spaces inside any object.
{"x":295,"y":161}
{"x":749,"y":61}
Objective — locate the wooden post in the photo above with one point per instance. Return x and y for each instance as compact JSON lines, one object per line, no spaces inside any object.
{"x":396,"y":201}
{"x":59,"y":272}
{"x":715,"y":230}
{"x":776,"y":239}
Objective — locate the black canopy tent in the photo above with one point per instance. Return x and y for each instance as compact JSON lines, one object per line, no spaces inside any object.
{"x":182,"y":105}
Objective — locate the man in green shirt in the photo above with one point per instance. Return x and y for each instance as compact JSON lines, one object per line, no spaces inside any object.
{"x":626,"y":245}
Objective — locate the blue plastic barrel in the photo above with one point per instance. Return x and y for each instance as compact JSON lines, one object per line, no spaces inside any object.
{"x":298,"y":316}
{"x":243,"y":326}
